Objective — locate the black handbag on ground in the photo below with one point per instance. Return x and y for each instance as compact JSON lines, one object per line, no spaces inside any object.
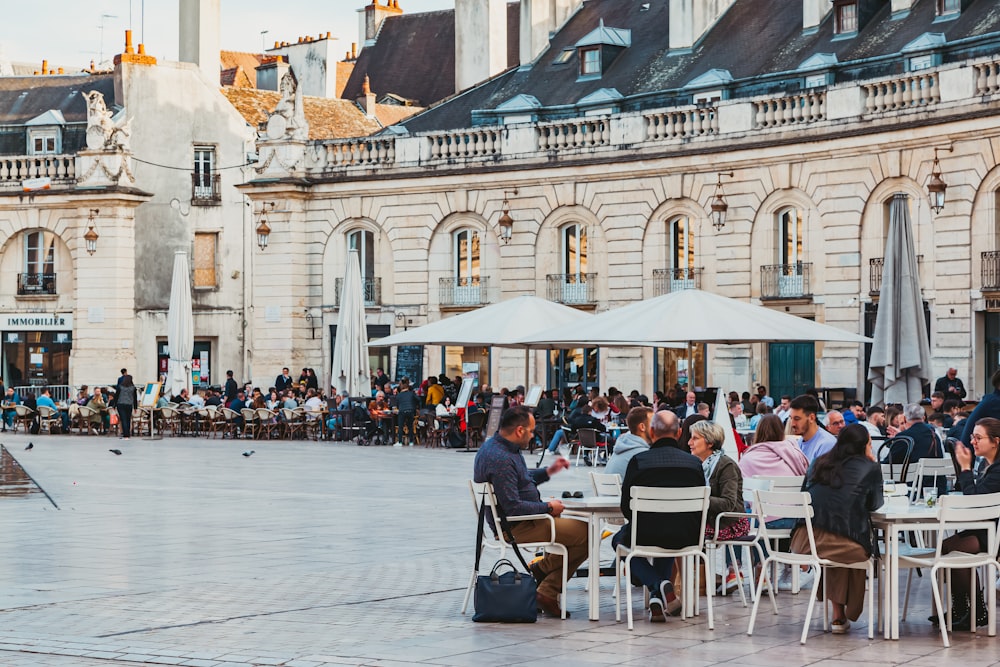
{"x":503,"y":598}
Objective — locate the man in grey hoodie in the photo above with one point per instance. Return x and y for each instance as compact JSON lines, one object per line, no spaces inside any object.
{"x":629,"y":444}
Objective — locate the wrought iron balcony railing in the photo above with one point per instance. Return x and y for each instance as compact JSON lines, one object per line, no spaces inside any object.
{"x":991,"y":270}
{"x":667,"y":281}
{"x":786,"y":281}
{"x":206,"y":189}
{"x":372,"y":291}
{"x":463,"y":291}
{"x":572,"y":288}
{"x":36,"y":283}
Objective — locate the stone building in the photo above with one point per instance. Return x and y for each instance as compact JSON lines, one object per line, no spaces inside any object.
{"x":608,"y":145}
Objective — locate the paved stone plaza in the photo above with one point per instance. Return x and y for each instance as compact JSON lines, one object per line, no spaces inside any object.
{"x":183,"y":552}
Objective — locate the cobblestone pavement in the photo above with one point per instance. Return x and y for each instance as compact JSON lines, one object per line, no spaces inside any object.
{"x":183,"y":552}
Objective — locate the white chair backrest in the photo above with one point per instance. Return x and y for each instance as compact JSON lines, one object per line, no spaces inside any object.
{"x":786,"y":483}
{"x":751,"y":484}
{"x":785,"y":504}
{"x":981,"y":507}
{"x":670,"y":501}
{"x":937,"y":468}
{"x":605,"y":484}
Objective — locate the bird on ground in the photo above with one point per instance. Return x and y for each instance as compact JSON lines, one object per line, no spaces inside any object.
{"x":31,"y":445}
{"x":249,"y":453}
{"x":116,"y":452}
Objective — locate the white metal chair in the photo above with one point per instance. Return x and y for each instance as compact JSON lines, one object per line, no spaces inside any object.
{"x":755,"y":539}
{"x":935,"y":468}
{"x":490,"y":541}
{"x":648,"y":500}
{"x":783,"y":484}
{"x":483,"y":492}
{"x":976,"y":512}
{"x":799,"y":506}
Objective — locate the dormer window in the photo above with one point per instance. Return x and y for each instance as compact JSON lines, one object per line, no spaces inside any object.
{"x":946,"y":7}
{"x":845,"y":17}
{"x":44,"y":133}
{"x":590,"y":61}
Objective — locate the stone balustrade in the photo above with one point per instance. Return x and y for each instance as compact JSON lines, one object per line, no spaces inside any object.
{"x":15,"y":169}
{"x":791,"y":110}
{"x":681,"y":123}
{"x":962,"y":85}
{"x":913,"y":90}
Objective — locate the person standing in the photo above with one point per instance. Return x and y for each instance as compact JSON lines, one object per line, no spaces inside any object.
{"x":499,"y":462}
{"x":950,"y":385}
{"x":283,"y":381}
{"x":231,"y":388}
{"x":406,"y":402}
{"x":125,"y":401}
{"x":988,"y":407}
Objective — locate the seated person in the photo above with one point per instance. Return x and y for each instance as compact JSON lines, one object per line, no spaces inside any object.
{"x":313,"y":404}
{"x":45,"y":400}
{"x":9,"y":401}
{"x":98,"y":404}
{"x":578,"y":418}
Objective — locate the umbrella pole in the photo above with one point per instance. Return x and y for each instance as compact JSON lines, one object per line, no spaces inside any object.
{"x":527,"y":358}
{"x":691,"y":383}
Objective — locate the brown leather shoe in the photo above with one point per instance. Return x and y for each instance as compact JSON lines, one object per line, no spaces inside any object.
{"x":537,"y":574}
{"x":549,"y":605}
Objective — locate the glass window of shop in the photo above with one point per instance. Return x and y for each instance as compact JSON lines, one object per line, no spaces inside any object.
{"x":568,"y":368}
{"x":672,"y":367}
{"x":473,"y":362}
{"x":36,"y":358}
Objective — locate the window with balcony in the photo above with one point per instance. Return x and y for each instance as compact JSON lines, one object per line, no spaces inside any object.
{"x":575,"y":284}
{"x":681,"y":272}
{"x":205,"y":180}
{"x":845,"y":17}
{"x":39,"y":275}
{"x":466,"y":287}
{"x":205,"y":258}
{"x":789,"y":278}
{"x":363,"y":241}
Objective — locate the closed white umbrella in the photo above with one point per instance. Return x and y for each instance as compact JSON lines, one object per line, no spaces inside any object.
{"x":901,"y":359}
{"x":180,"y":328}
{"x":720,"y":415}
{"x":350,"y":371}
{"x":692,"y":316}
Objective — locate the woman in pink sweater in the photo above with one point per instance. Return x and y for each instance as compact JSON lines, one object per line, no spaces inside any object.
{"x":772,"y":454}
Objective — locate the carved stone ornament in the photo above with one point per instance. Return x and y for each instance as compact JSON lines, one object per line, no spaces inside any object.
{"x":102,"y":132}
{"x":288,"y":120}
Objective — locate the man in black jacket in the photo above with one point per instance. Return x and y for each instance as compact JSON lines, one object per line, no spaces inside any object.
{"x":406,"y":402}
{"x":665,"y":465}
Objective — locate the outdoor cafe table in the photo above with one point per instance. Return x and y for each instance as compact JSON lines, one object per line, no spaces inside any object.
{"x":593,"y":509}
{"x":892,"y":521}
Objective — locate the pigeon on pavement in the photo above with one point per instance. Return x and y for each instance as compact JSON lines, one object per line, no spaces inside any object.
{"x":249,"y":453}
{"x":31,"y":445}
{"x":116,"y":452}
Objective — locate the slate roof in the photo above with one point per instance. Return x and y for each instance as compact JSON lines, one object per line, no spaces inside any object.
{"x":755,"y":40}
{"x":414,"y":56}
{"x":24,"y":98}
{"x":328,"y":118}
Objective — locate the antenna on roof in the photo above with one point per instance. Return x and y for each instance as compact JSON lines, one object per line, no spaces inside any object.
{"x":101,"y":27}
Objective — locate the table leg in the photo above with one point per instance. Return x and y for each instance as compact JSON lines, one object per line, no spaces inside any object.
{"x":893,"y":583}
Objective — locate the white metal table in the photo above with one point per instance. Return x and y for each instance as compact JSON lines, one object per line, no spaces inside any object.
{"x":594,"y":509}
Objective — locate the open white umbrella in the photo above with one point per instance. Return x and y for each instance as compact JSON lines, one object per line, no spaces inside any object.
{"x":691,"y":316}
{"x":901,"y":360}
{"x":180,"y":328}
{"x":500,"y":324}
{"x":350,"y":371}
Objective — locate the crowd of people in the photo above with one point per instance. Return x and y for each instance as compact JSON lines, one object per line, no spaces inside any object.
{"x":671,"y":442}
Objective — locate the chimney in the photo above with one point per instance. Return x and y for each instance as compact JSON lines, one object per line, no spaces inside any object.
{"x":373,"y":15}
{"x":480,"y":41}
{"x":540,"y":18}
{"x":367,"y":99}
{"x":269,"y":73}
{"x":45,"y":67}
{"x":814,"y":11}
{"x":691,"y":19}
{"x":199,"y":36}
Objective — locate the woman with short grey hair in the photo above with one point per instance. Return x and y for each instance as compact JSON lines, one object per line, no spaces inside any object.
{"x":723,"y":475}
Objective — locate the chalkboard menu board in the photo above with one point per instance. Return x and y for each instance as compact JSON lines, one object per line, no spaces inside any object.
{"x":497,"y":406}
{"x":410,"y":363}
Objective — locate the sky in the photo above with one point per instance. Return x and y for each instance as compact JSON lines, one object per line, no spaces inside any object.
{"x":68,"y":33}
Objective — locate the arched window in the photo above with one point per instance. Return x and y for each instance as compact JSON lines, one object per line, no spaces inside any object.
{"x":466,"y":285}
{"x":789,"y":278}
{"x":574,"y":251}
{"x":790,"y":233}
{"x":39,"y":273}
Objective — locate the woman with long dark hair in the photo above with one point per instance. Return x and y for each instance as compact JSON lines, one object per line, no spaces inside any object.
{"x":985,"y":442}
{"x":845,"y":485}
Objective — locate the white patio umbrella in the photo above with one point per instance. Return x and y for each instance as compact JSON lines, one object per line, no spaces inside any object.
{"x":500,"y":325}
{"x":180,"y":328}
{"x":720,"y":415}
{"x":692,"y":316}
{"x":350,"y":370}
{"x":901,"y":360}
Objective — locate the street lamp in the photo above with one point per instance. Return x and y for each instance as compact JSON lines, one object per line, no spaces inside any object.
{"x":263,"y":230}
{"x":90,"y":238}
{"x":937,"y":187}
{"x":506,"y":222}
{"x":719,"y":205}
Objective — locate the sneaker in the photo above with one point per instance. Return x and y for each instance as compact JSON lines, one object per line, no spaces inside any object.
{"x":840,"y":627}
{"x":806,"y":580}
{"x":729,"y":584}
{"x":656,"y":611}
{"x":397,"y":444}
{"x":785,"y":579}
{"x":672,"y":603}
